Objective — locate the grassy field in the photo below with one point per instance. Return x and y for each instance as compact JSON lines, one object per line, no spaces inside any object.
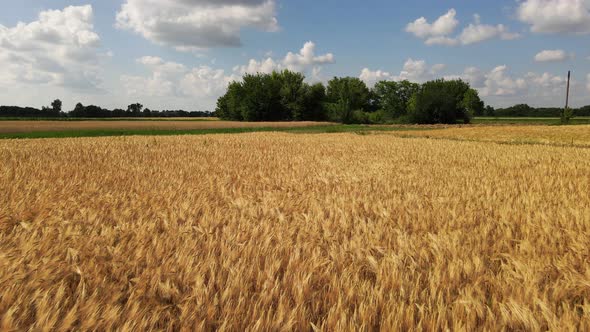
{"x":16,"y":127}
{"x":315,"y":128}
{"x":281,"y":231}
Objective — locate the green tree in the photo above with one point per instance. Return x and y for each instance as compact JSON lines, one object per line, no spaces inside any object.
{"x":56,"y":106}
{"x":439,"y":101}
{"x":393,"y":97}
{"x":346,"y":95}
{"x":472,"y":104}
{"x":135,"y":109}
{"x":313,"y":103}
{"x":292,"y":93}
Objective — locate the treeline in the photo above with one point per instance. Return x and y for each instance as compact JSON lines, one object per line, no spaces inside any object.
{"x":524,"y":110}
{"x":91,"y":111}
{"x":284,"y":96}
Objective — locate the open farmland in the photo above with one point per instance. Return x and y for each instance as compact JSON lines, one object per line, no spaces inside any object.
{"x":578,"y":135}
{"x":281,"y":231}
{"x":24,"y":126}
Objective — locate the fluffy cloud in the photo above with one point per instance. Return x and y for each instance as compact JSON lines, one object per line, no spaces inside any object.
{"x":551,"y":55}
{"x":190,"y":25}
{"x":588,"y":82}
{"x":499,"y":83}
{"x":60,"y":48}
{"x":478,"y":32}
{"x":303,"y":61}
{"x":443,"y":26}
{"x":206,"y":84}
{"x":413,"y":70}
{"x":556,"y":16}
{"x":175,"y":79}
{"x":371,"y":77}
{"x":439,"y":32}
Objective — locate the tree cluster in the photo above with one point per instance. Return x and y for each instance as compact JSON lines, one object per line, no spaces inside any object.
{"x":280,"y":96}
{"x":524,"y":110}
{"x":91,"y":111}
{"x":284,"y":96}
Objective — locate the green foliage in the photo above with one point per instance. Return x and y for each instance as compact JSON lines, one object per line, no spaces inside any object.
{"x":489,"y":111}
{"x":472,"y":104}
{"x":440,"y":101}
{"x":56,"y":106}
{"x":280,"y":96}
{"x":284,"y":96}
{"x":346,"y":95}
{"x":135,"y":108}
{"x":393,"y":97}
{"x":566,"y":115}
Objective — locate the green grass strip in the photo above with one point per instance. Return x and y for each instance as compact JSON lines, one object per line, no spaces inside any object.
{"x":168,"y":132}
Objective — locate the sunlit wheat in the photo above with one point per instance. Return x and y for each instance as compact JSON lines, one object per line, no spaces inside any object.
{"x":277,"y":231}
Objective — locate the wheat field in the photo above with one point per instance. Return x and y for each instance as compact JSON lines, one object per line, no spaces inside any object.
{"x":577,"y":136}
{"x":278,"y":232}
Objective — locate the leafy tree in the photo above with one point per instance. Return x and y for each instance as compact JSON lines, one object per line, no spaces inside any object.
{"x":566,"y":115}
{"x":56,"y":106}
{"x":489,"y":111}
{"x":472,"y":103}
{"x":278,"y":96}
{"x":393,"y":97}
{"x":262,"y":98}
{"x":292,"y":93}
{"x":313,"y":103}
{"x":135,"y":109}
{"x":439,"y":101}
{"x":347,"y":95}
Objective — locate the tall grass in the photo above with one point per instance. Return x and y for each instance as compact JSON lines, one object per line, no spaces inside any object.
{"x":276,"y":231}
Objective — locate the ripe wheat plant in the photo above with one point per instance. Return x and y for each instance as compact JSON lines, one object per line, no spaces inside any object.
{"x":280,"y":232}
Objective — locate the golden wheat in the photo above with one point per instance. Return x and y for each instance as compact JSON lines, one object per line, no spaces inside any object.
{"x":276,"y":231}
{"x":578,"y":135}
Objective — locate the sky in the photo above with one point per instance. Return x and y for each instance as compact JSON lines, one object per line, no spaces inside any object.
{"x":181,"y":54}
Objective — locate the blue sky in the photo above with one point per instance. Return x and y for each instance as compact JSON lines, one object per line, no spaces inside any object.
{"x":171,"y":54}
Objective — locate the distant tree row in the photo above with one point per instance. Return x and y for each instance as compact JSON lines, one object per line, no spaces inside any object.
{"x":284,"y":96}
{"x":524,"y":110}
{"x":92,"y":111}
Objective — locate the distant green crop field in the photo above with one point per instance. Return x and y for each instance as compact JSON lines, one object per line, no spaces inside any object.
{"x":317,"y":129}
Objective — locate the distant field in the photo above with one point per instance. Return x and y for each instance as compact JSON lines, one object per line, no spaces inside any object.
{"x":108,"y":119}
{"x":527,"y":120}
{"x":516,"y":134}
{"x":297,"y":232}
{"x":23,"y":126}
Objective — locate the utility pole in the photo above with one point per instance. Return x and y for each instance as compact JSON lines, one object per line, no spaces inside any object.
{"x":567,"y":114}
{"x":567,"y":94}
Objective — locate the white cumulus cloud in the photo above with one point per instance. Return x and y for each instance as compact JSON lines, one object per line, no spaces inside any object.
{"x":478,"y":32}
{"x":556,"y":16}
{"x":441,"y":31}
{"x":60,"y":48}
{"x":551,"y":56}
{"x":413,"y":70}
{"x":303,"y":61}
{"x":443,"y":26}
{"x":190,"y":25}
